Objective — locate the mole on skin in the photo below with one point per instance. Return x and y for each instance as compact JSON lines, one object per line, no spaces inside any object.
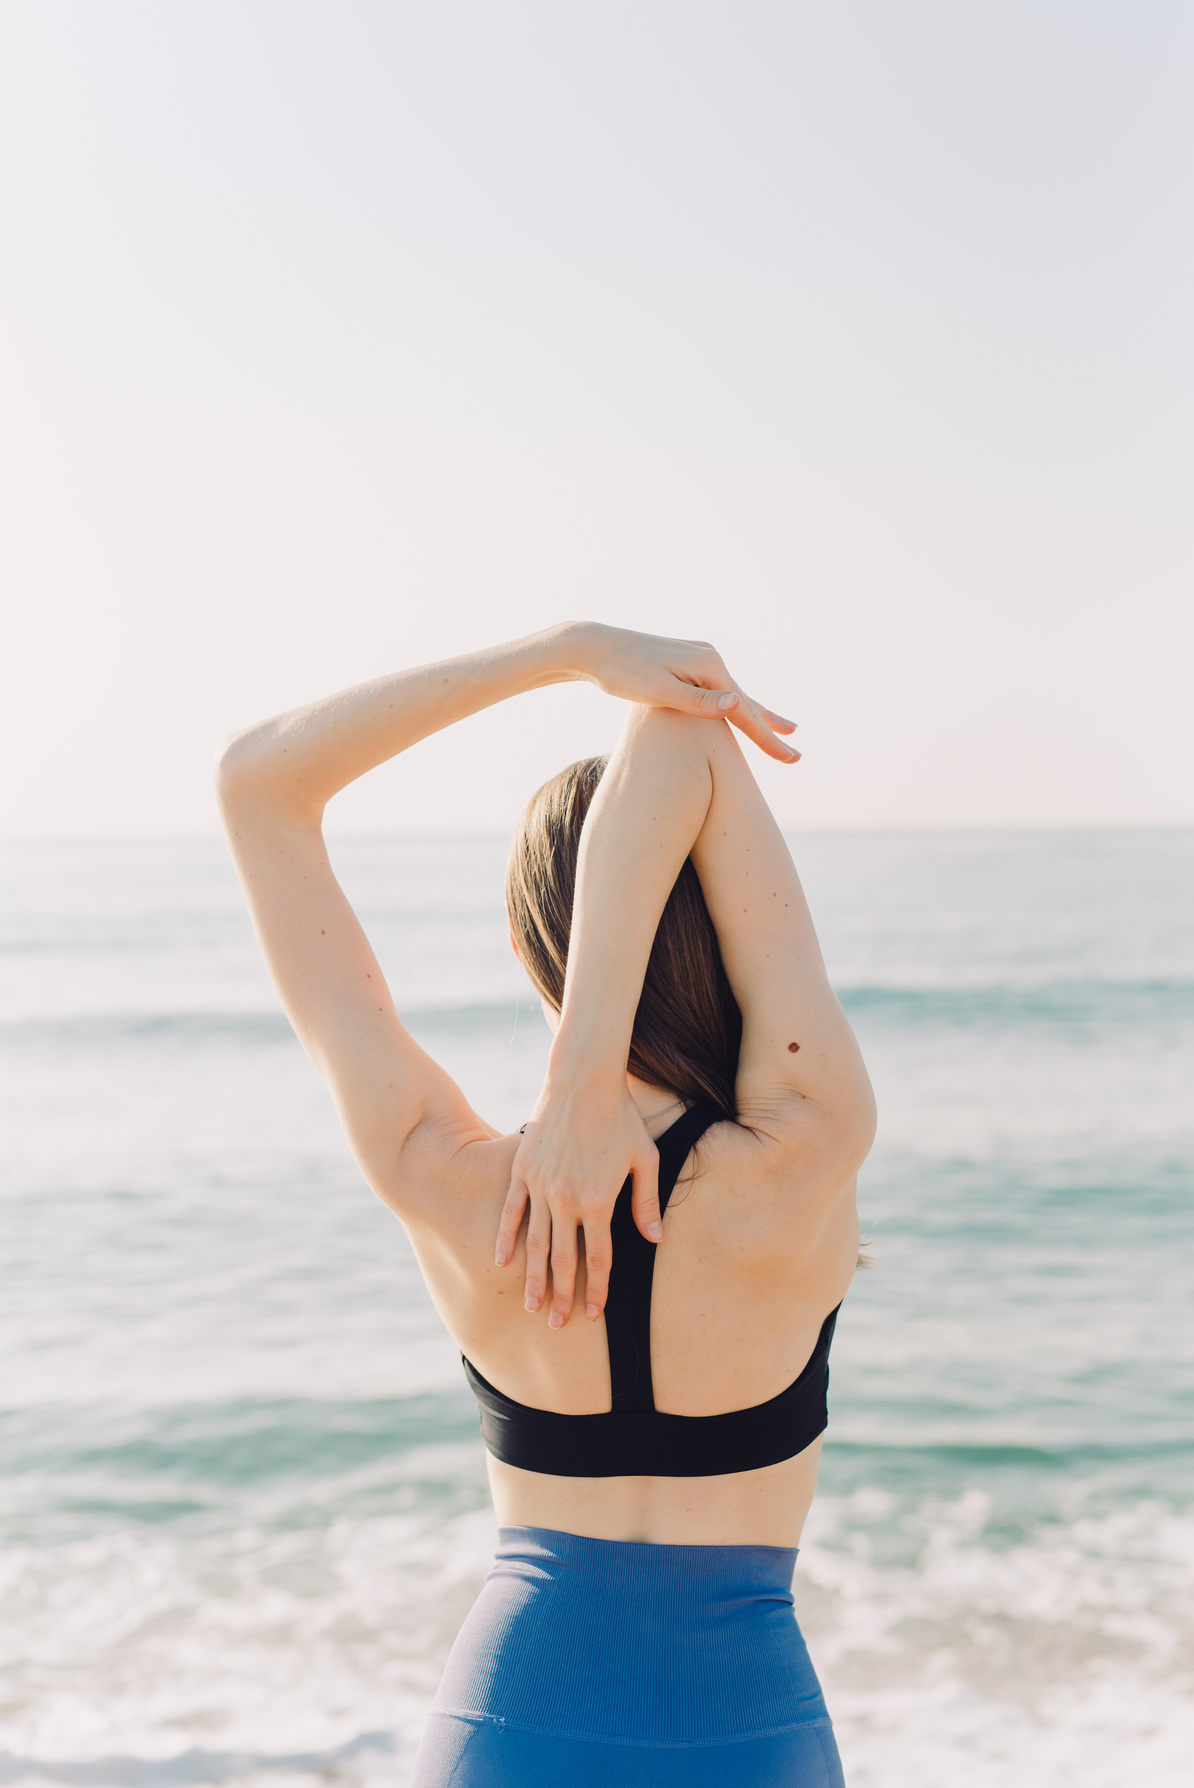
{"x":792,"y":1048}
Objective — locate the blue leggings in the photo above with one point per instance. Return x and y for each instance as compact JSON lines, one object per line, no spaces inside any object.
{"x":608,"y":1664}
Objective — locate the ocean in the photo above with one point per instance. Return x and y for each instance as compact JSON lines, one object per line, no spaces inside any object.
{"x":243,"y":1501}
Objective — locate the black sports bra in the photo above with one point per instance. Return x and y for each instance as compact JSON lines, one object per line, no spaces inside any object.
{"x":633,"y":1438}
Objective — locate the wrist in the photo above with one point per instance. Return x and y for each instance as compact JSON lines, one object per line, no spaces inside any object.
{"x":557,"y":654}
{"x":576,"y":647}
{"x":576,"y":1061}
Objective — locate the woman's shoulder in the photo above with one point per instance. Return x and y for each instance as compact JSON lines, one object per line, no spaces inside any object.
{"x":785,"y":1135}
{"x":769,"y":1183}
{"x":448,"y":1176}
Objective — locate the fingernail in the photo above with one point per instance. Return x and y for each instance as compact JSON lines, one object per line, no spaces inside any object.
{"x":502,"y":1258}
{"x":726,"y":701}
{"x":592,"y":1312}
{"x":555,"y":1320}
{"x":532,"y":1304}
{"x":655,"y":1231}
{"x":794,"y":755}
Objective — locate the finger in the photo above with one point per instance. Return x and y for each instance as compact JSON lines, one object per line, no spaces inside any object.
{"x":538,"y":1244}
{"x":644,"y":1198}
{"x":509,"y":1223}
{"x":708,"y":704}
{"x":776,"y":722}
{"x":563,"y":1272}
{"x":598,"y":1258}
{"x":747,"y":719}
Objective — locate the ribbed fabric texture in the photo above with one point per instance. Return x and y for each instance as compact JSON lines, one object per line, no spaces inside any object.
{"x":634,"y":1439}
{"x":649,"y":1645}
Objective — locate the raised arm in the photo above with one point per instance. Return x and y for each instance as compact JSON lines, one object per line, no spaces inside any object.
{"x":675,"y":789}
{"x":275,"y":780}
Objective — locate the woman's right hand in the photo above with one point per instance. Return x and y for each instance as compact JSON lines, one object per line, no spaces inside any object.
{"x":582,"y":1140}
{"x":685,"y":674}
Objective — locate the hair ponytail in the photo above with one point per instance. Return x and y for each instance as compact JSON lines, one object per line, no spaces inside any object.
{"x":687,"y":1029}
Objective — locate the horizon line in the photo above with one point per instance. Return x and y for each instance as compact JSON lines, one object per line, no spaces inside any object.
{"x":924,"y":828}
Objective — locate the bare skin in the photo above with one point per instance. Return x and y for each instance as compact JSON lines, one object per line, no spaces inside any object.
{"x":761,"y":1244}
{"x":708,"y":1328}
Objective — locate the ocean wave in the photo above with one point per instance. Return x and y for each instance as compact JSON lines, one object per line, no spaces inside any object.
{"x":1024,"y":1484}
{"x":95,"y":1030}
{"x":993,"y":1006}
{"x":1057,"y":1003}
{"x":992,"y":1454}
{"x":155,"y":1466}
{"x":195,"y":1766}
{"x":229,"y":1445}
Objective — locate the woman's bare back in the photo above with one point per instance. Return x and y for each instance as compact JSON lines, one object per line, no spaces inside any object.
{"x":743,"y":1282}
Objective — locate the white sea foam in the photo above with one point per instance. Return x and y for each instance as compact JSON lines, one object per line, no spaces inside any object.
{"x":1066,"y":1658}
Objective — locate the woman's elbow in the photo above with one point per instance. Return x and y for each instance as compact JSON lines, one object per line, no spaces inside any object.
{"x":233,"y":773}
{"x":848,"y":1118}
{"x":860,"y":1118}
{"x":245,"y":774}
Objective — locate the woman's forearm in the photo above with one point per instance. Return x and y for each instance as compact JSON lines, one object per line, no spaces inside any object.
{"x":646,"y":815}
{"x":585,"y":1135}
{"x":295,"y":762}
{"x":291,"y":766}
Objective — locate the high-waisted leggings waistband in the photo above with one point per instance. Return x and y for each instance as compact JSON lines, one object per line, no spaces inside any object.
{"x":661,"y":1652}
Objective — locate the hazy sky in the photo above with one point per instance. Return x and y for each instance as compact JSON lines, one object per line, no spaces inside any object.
{"x":853,"y":337}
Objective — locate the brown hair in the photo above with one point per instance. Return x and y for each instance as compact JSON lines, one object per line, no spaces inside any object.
{"x":688,"y":1028}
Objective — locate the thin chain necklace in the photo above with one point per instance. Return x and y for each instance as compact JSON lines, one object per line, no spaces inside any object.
{"x":647,"y":1120}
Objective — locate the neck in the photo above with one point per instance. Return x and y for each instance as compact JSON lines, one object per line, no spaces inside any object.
{"x":654,"y":1101}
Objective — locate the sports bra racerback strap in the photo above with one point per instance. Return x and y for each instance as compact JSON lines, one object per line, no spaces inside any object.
{"x":632,"y":1273}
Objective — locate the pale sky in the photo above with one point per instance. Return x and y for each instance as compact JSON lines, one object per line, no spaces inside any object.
{"x":855,"y":338}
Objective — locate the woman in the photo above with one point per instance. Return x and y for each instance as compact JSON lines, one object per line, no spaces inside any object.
{"x":652,"y":1465}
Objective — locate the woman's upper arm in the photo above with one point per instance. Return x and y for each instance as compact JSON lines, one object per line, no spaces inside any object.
{"x":386,"y":1087}
{"x":799,"y":1056}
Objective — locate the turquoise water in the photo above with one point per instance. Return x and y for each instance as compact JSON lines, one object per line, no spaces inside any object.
{"x":243,"y":1502}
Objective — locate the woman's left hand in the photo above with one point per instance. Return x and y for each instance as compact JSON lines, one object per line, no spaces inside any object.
{"x":688,"y":675}
{"x":577,"y":1149}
